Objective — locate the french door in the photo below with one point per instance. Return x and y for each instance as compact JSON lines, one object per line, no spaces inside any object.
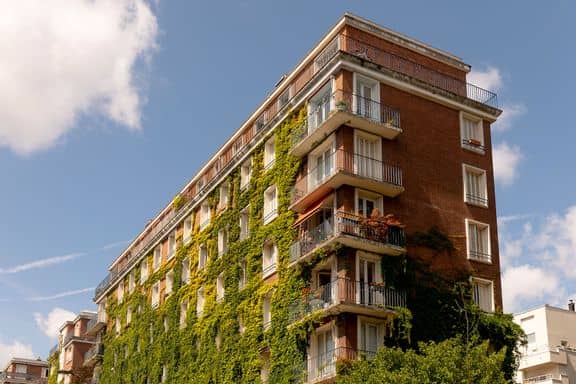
{"x":367,"y":156}
{"x":366,"y":278}
{"x":368,"y":338}
{"x":324,"y":365}
{"x":367,"y":98}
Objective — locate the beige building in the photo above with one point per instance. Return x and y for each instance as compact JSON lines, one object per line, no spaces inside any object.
{"x":550,"y":355}
{"x":19,"y":371}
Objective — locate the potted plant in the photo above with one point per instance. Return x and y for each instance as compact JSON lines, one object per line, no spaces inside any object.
{"x":341,"y":105}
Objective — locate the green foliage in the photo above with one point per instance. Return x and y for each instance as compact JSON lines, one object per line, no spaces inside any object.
{"x":54,"y":365}
{"x":452,"y":361}
{"x":433,"y":239}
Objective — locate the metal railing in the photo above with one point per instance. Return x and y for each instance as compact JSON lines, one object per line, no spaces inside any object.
{"x":323,"y":365}
{"x":476,"y":199}
{"x":346,"y":291}
{"x":480,"y":256}
{"x":473,"y":144}
{"x":349,"y":102}
{"x":538,"y":379}
{"x":23,"y":376}
{"x":347,"y":162}
{"x":97,"y":350}
{"x":72,"y":337}
{"x":311,"y":237}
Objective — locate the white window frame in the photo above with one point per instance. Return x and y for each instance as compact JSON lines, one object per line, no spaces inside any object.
{"x":479,"y":281}
{"x":380,"y":332}
{"x":269,"y":258}
{"x":120,"y":291}
{"x":220,"y":287}
{"x":118,"y":326}
{"x":269,"y":153}
{"x":243,"y":278}
{"x":164,"y":374}
{"x":284,"y":98}
{"x":360,"y":108}
{"x":172,"y":245}
{"x":270,"y":204}
{"x":222,"y":241}
{"x":319,"y":106}
{"x":245,"y":174}
{"x":200,"y":302}
{"x":368,"y":166}
{"x":128,"y":315}
{"x":317,"y":371}
{"x":245,"y":223}
{"x":481,"y":199}
{"x":377,"y":198}
{"x":483,"y":256}
{"x":157,"y":258}
{"x":169,"y":285}
{"x":224,"y":196}
{"x":475,"y":141}
{"x":183,"y":313}
{"x":205,"y":215}
{"x":144,"y":271}
{"x":267,"y":312}
{"x":132,"y":281}
{"x":187,"y":230}
{"x":314,"y":179}
{"x":185,"y":274}
{"x":202,"y":256}
{"x":155,"y":296}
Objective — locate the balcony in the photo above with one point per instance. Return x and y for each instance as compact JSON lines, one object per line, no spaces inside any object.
{"x":343,"y":167}
{"x":81,"y":339}
{"x":322,"y":367}
{"x":339,"y":108}
{"x":17,"y":377}
{"x":547,"y":379}
{"x":93,"y":355}
{"x":543,"y":355}
{"x":318,"y":231}
{"x":96,"y":325}
{"x":345,"y":295}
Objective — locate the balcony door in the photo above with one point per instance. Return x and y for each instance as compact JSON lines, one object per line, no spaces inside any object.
{"x":319,"y":107}
{"x":370,"y":336}
{"x":367,"y":98}
{"x":324,"y":162}
{"x":368,"y":275}
{"x":324,"y":363}
{"x":368,"y":156}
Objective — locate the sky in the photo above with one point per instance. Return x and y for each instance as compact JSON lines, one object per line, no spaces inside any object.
{"x":108,"y":107}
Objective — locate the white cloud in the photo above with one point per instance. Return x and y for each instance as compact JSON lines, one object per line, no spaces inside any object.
{"x":51,"y":323}
{"x":489,"y":78}
{"x":42,"y":263}
{"x":506,"y":159}
{"x":524,"y":283}
{"x":62,"y":294}
{"x":15,"y":349}
{"x":65,"y":58}
{"x":509,"y":113}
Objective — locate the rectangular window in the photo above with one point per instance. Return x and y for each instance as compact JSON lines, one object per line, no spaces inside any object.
{"x":472,"y":133}
{"x":243,"y":275}
{"x":266,"y":313}
{"x":259,"y":123}
{"x":269,"y":259}
{"x":367,"y":98}
{"x":185,"y":275}
{"x":157,"y":258}
{"x":155,"y":294}
{"x":371,"y":337}
{"x":222,"y":241}
{"x":270,"y":204}
{"x":475,"y":190}
{"x":319,"y":108}
{"x":204,"y":215}
{"x":224,"y":196}
{"x":171,"y":245}
{"x":265,"y":372}
{"x":21,"y":368}
{"x":478,"y":235}
{"x":120,"y":291}
{"x":245,"y":173}
{"x":169,"y":282}
{"x":200,"y":302}
{"x":202,"y":257}
{"x":183,"y":313}
{"x":220,"y":289}
{"x":244,"y":223}
{"x":483,"y":294}
{"x":323,"y":360}
{"x":269,"y":153}
{"x":531,"y":338}
{"x":237,"y":146}
{"x":284,"y":98}
{"x":368,"y":156}
{"x":187,"y":231}
{"x":144,"y":271}
{"x":118,"y":329}
{"x":128,"y":315}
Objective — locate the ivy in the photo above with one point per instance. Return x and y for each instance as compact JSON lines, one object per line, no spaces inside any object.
{"x":433,"y":239}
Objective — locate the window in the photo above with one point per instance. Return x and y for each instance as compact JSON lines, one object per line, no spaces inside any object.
{"x":118,"y":326}
{"x":483,"y":294}
{"x":265,"y":372}
{"x":368,"y":156}
{"x":259,"y":123}
{"x":218,"y":340}
{"x":243,"y":275}
{"x":319,"y":107}
{"x":245,"y":173}
{"x":322,"y":161}
{"x":144,"y":271}
{"x":200,"y":301}
{"x":269,"y":153}
{"x":241,"y":326}
{"x":475,"y":191}
{"x":367,"y":202}
{"x":531,"y":338}
{"x":183,"y":313}
{"x":472,"y":133}
{"x":171,"y":245}
{"x":237,"y":146}
{"x":131,"y":281}
{"x":478,"y":235}
{"x":323,"y":352}
{"x":185,"y":275}
{"x":371,"y":337}
{"x":244,"y":223}
{"x":222,"y":241}
{"x":155,"y":294}
{"x":270,"y":204}
{"x":269,"y":259}
{"x":120,"y":291}
{"x":367,"y":98}
{"x":187,"y":231}
{"x":165,"y":323}
{"x":169,"y":282}
{"x":220,"y":287}
{"x":284,"y":98}
{"x":202,"y":257}
{"x":164,"y":374}
{"x":68,"y":350}
{"x":21,"y":368}
{"x":266,"y":313}
{"x":128,"y":315}
{"x":224,"y":196}
{"x":204,"y":215}
{"x":157,"y":258}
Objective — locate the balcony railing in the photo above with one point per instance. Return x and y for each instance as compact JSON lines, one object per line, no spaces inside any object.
{"x":349,"y":163}
{"x":72,"y":337}
{"x":350,"y":292}
{"x":310,"y":238}
{"x":96,"y":351}
{"x":341,"y":101}
{"x":323,"y":365}
{"x":22,"y":377}
{"x":476,"y":199}
{"x":543,"y":378}
{"x":480,"y":256}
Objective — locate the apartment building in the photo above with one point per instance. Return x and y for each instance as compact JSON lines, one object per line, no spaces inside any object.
{"x":550,"y":354}
{"x":286,"y":229}
{"x":20,"y":371}
{"x":74,"y":346}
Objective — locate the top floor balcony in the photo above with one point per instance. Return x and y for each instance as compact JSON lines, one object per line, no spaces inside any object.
{"x":328,"y":112}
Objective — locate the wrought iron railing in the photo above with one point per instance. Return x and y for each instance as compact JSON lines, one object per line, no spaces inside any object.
{"x":96,"y":351}
{"x":347,"y":162}
{"x":346,"y":291}
{"x":476,"y":199}
{"x":480,"y":256}
{"x":72,"y":337}
{"x":311,"y":237}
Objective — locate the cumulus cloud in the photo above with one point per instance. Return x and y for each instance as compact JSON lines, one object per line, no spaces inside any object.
{"x":506,"y":159}
{"x":15,"y":349}
{"x":51,"y":323}
{"x":526,"y":283}
{"x":488,"y":78}
{"x":510,"y":112}
{"x":64,"y":59}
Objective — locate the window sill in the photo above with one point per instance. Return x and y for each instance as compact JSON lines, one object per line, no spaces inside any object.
{"x":476,"y":149}
{"x":269,"y":217}
{"x":475,"y":204}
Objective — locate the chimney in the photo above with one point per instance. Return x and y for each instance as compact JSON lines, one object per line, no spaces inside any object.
{"x":571,"y":305}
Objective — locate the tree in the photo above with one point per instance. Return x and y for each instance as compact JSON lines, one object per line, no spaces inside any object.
{"x":452,"y":361}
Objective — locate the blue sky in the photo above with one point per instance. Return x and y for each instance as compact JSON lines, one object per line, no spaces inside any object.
{"x":92,"y":148}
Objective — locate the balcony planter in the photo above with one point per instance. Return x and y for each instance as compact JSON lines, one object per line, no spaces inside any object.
{"x":376,"y":226}
{"x":474,"y":142}
{"x":341,"y":106}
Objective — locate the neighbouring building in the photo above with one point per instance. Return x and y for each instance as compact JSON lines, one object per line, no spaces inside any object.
{"x":270,"y":264}
{"x":25,"y":371}
{"x":549,"y":356}
{"x":75,"y":349}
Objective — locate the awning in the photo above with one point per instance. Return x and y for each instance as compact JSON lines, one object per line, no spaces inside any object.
{"x":313,"y":209}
